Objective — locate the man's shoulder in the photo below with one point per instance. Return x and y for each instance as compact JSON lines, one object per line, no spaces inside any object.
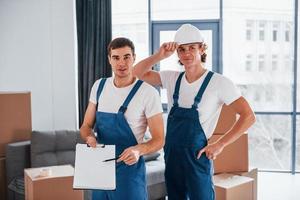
{"x":147,"y":87}
{"x":169,"y":73}
{"x":108,"y":79}
{"x":220,"y":78}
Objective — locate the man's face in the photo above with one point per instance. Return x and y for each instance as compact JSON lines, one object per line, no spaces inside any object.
{"x":189,"y":54}
{"x":121,"y":61}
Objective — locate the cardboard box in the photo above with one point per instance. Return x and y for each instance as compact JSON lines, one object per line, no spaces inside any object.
{"x":3,"y":185}
{"x":15,"y":118}
{"x":252,"y":173}
{"x":234,"y":157}
{"x":233,"y":187}
{"x":58,"y":184}
{"x":226,"y":120}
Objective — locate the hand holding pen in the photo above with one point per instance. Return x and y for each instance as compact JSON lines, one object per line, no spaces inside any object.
{"x":111,"y":159}
{"x":130,"y":155}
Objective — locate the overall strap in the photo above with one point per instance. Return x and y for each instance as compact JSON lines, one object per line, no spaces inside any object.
{"x":176,"y":91}
{"x":100,"y":88}
{"x":131,"y":94}
{"x":202,"y":89}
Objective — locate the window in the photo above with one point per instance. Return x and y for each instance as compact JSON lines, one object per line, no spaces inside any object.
{"x":274,"y":62}
{"x":288,"y":63}
{"x":275,"y":31}
{"x":133,"y":24}
{"x":270,"y":138}
{"x":287,"y":33}
{"x":287,"y":36}
{"x":185,"y":10}
{"x":298,"y":142}
{"x":269,"y":86}
{"x":248,"y":63}
{"x":249,"y":29}
{"x":261,"y":63}
{"x":261,"y":31}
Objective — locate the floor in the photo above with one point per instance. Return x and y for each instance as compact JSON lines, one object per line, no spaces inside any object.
{"x":278,"y":186}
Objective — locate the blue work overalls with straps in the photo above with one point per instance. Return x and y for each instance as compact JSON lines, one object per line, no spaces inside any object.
{"x":113,"y":128}
{"x":186,"y":176}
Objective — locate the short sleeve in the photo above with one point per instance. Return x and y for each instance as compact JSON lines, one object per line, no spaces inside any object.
{"x":152,"y":102}
{"x":168,"y":77}
{"x":93,"y":95}
{"x":228,"y":91}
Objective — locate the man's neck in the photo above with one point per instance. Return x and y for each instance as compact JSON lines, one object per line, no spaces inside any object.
{"x":194,"y":75}
{"x":124,"y":81}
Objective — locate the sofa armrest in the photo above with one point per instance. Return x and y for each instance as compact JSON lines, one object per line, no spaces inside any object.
{"x":17,"y":159}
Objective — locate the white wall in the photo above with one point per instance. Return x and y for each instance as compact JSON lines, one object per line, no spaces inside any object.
{"x":37,"y":54}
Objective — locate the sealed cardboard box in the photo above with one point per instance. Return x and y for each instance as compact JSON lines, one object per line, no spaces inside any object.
{"x":48,"y":183}
{"x":15,"y":118}
{"x":233,"y":187}
{"x":226,"y":120}
{"x":2,"y":179}
{"x":252,"y":173}
{"x":234,"y":157}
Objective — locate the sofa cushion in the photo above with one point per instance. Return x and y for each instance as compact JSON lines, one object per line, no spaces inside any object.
{"x":155,"y":172}
{"x":151,"y":156}
{"x":53,"y":147}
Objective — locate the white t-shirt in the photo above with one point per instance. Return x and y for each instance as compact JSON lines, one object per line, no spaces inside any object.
{"x":220,"y":90}
{"x":145,"y":104}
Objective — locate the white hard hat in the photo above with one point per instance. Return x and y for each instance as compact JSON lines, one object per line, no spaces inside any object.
{"x":188,"y":33}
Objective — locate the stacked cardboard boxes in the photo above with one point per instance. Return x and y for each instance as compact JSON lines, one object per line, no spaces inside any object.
{"x":233,"y":180}
{"x":15,"y":125}
{"x":48,"y":183}
{"x":233,"y":187}
{"x":234,"y":157}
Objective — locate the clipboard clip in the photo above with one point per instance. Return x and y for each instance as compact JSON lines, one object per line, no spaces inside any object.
{"x":101,"y":145}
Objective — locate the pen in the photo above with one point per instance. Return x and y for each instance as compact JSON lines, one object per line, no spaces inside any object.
{"x":111,"y":159}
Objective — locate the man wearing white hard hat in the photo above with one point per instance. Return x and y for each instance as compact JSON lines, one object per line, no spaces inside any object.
{"x":195,"y":99}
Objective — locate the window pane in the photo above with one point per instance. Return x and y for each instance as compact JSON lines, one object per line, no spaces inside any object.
{"x":275,"y":31}
{"x":274,"y":36}
{"x":265,"y":80}
{"x":287,"y":36}
{"x":298,"y":70}
{"x":298,"y":101}
{"x":270,"y":142}
{"x":182,"y":10}
{"x":249,"y":29}
{"x":298,"y":144}
{"x":132,"y":22}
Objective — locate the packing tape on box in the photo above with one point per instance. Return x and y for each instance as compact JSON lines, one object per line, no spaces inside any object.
{"x":44,"y":172}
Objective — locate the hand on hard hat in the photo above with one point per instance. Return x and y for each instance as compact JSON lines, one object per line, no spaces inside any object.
{"x":167,"y":49}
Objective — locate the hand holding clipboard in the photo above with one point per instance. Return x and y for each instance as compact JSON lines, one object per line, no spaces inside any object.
{"x":90,"y":170}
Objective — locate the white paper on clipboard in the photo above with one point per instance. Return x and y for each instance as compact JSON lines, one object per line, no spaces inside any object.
{"x":90,"y":170}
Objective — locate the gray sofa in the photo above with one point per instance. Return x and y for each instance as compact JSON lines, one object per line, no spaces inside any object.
{"x":58,"y":148}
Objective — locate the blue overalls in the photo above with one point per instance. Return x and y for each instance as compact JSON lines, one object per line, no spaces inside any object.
{"x":112,"y":128}
{"x":186,"y":176}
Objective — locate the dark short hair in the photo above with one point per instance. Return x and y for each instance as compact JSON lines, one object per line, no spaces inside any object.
{"x":119,"y":43}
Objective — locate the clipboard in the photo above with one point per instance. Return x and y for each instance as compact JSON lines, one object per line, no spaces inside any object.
{"x":90,"y":170}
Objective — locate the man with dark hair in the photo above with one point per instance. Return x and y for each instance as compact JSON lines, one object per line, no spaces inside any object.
{"x":195,"y":99}
{"x":121,"y":107}
{"x":119,"y":43}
